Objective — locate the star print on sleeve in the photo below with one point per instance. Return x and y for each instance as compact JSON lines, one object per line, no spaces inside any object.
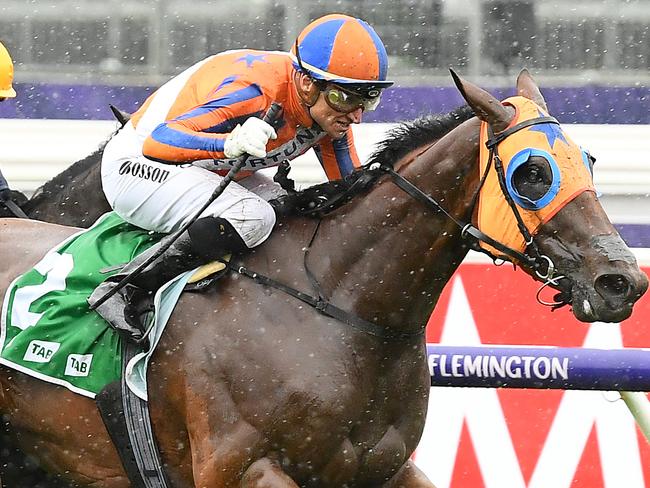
{"x":249,"y":59}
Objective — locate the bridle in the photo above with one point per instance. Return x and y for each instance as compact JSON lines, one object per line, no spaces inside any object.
{"x":532,"y":258}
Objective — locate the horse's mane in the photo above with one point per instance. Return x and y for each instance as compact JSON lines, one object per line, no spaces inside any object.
{"x":61,"y":181}
{"x":409,"y":136}
{"x":319,"y":200}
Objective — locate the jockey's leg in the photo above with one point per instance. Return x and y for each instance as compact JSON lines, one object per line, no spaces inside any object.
{"x":162,"y":198}
{"x":266,"y":473}
{"x":409,"y":476}
{"x":207,"y":239}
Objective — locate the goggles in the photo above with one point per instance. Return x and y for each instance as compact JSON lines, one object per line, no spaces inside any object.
{"x":342,"y":100}
{"x":345,"y":102}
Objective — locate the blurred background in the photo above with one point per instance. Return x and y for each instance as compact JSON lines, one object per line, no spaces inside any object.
{"x":145,"y":41}
{"x":593,"y":57}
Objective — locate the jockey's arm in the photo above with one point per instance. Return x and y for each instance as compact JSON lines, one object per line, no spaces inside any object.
{"x":338,"y":157}
{"x":201,"y":132}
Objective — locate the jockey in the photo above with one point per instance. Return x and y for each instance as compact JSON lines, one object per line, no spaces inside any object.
{"x":212,"y":112}
{"x":6,"y":74}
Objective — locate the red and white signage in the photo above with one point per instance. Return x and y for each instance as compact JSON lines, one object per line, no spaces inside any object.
{"x":488,"y":438}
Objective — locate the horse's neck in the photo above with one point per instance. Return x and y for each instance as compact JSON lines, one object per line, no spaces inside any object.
{"x":385,"y":257}
{"x":79,"y":203}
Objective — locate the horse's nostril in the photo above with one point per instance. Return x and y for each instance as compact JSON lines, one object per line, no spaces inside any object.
{"x":612,"y":286}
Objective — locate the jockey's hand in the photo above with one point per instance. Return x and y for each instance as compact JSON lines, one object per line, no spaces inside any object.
{"x":250,"y":138}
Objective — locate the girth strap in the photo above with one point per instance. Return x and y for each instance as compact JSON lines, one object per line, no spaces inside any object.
{"x":126,"y":417}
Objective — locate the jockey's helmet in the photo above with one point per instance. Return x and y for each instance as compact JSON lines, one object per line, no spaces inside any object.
{"x":345,"y":51}
{"x":6,"y":74}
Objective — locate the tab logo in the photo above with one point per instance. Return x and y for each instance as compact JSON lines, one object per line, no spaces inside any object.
{"x":41,"y":351}
{"x":78,"y":364}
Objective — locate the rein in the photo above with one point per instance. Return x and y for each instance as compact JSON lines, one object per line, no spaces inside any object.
{"x":537,"y":261}
{"x":466,"y":229}
{"x":541,"y":264}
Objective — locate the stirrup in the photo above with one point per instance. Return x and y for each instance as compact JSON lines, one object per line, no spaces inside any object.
{"x":114,"y":311}
{"x":138,"y":309}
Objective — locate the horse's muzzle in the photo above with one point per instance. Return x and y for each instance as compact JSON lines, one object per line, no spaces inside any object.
{"x":609,"y":284}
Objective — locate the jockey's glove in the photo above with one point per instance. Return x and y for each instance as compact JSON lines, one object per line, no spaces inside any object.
{"x":249,"y":138}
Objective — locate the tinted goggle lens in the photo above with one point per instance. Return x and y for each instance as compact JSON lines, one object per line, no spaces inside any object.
{"x":345,"y":102}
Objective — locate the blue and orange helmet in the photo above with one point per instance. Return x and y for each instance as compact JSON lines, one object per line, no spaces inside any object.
{"x":343,"y":50}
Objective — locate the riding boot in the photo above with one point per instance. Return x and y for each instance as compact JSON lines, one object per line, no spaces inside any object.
{"x":127,"y":310}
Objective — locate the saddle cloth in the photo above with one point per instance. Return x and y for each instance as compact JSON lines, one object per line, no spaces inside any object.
{"x":48,"y":332}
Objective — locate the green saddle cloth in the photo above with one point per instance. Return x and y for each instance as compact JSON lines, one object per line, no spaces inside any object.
{"x":47,"y":330}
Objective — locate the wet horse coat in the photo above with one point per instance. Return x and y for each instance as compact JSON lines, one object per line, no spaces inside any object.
{"x":252,"y":388}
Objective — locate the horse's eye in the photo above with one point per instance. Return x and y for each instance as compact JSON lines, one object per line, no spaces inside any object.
{"x":533,"y":178}
{"x":534,"y":175}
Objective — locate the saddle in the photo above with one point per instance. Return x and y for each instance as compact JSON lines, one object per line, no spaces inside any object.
{"x":132,"y":318}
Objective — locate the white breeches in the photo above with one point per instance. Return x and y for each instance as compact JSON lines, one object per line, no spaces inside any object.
{"x":163,"y":197}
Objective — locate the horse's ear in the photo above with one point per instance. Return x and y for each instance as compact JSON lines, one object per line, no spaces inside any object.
{"x":121,"y":116}
{"x":484,"y":105}
{"x":526,"y":87}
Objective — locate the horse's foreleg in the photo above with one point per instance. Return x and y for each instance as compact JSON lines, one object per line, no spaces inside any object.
{"x":231,"y":446}
{"x":409,"y":476}
{"x":266,"y":473}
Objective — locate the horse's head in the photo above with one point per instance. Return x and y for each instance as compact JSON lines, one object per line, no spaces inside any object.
{"x":537,"y":197}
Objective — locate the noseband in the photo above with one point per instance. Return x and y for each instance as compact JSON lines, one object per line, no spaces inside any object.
{"x":531,"y":258}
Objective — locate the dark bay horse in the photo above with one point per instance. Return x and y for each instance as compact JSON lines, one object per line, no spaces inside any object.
{"x":251,"y":388}
{"x":73,"y":198}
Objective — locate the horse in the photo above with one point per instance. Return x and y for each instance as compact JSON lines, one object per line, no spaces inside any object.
{"x":74,"y":197}
{"x":250,"y":387}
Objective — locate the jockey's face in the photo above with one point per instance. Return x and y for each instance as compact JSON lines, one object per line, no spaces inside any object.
{"x":334,"y":123}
